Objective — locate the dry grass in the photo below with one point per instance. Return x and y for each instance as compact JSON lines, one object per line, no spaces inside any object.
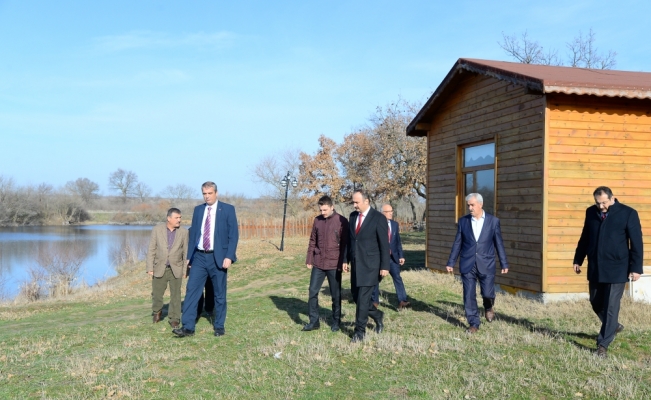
{"x":101,"y":344}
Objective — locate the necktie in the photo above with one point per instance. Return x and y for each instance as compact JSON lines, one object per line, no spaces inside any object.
{"x":206,"y":232}
{"x":359,"y":222}
{"x":389,"y":232}
{"x":603,"y":216}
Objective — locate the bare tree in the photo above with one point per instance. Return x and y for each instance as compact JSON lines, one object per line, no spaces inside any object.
{"x":583,"y":52}
{"x":271,"y":170}
{"x":528,"y":51}
{"x":142,"y":191}
{"x":86,"y":189}
{"x":123,"y":182}
{"x":60,"y":264}
{"x":180,"y":191}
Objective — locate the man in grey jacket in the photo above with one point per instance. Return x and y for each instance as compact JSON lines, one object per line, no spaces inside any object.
{"x":325,"y":256}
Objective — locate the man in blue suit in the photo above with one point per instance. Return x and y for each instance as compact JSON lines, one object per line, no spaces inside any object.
{"x":211,"y":251}
{"x":478,"y":237}
{"x":396,"y":259}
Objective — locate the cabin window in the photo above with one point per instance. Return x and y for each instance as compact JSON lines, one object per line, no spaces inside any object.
{"x":477,"y":175}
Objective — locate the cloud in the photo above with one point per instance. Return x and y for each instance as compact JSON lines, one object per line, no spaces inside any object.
{"x":152,"y":40}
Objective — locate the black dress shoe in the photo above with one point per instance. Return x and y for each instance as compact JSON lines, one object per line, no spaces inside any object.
{"x":619,"y":329}
{"x":182,"y":332}
{"x":334,"y":327}
{"x":220,"y":332}
{"x":358,"y":337}
{"x":601,"y":352}
{"x":379,"y":326}
{"x":311,"y":327}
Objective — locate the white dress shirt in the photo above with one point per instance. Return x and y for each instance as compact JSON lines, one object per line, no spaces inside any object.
{"x":478,"y":224}
{"x":213,"y":217}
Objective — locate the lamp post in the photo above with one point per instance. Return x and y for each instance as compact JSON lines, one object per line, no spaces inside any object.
{"x":285,"y":182}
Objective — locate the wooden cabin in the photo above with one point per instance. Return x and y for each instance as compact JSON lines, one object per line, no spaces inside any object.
{"x":535,"y":141}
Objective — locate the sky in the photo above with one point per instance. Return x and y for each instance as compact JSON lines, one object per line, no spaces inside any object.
{"x":181,"y":92}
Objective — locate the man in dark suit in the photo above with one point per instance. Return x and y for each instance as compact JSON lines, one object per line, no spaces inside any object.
{"x":396,"y":259}
{"x":612,"y":240}
{"x":478,"y":237}
{"x":211,"y":252}
{"x":368,"y":254}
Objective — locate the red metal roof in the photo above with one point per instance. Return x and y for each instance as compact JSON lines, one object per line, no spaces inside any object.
{"x":545,"y":79}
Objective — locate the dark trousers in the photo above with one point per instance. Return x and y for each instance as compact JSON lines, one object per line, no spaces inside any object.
{"x":394,"y":271}
{"x":316,"y":281}
{"x":158,"y":287}
{"x":605,"y":299}
{"x":364,"y":308}
{"x":487,"y":288}
{"x":204,"y":267}
{"x":207,"y":301}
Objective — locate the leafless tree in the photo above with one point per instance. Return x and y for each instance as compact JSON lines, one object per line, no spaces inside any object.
{"x":86,"y":189}
{"x":142,"y":191}
{"x":180,"y":191}
{"x":528,"y":51}
{"x":60,"y":263}
{"x":583,"y":52}
{"x":123,"y":182}
{"x":272,"y":168}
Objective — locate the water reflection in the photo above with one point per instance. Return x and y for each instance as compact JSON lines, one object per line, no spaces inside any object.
{"x":19,"y":246}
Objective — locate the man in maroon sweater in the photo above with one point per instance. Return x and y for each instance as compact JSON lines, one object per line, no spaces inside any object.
{"x":325,"y":255}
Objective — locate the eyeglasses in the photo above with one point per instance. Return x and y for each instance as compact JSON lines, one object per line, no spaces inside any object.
{"x":603,"y":203}
{"x":387,"y":212}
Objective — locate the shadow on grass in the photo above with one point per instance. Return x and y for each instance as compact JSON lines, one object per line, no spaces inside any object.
{"x":531,"y":326}
{"x":296,"y":309}
{"x":414,"y":260}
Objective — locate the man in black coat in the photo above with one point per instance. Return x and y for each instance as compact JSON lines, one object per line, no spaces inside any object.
{"x":368,"y":254}
{"x":612,"y":240}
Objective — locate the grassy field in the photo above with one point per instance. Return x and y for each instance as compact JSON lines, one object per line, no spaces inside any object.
{"x":101,"y":343}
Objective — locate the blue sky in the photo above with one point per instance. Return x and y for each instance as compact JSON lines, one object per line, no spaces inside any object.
{"x":184,"y":92}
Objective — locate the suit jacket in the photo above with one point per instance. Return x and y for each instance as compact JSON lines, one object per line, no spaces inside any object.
{"x":613,"y":246}
{"x":480,"y":252}
{"x":396,"y":244}
{"x":368,"y":251}
{"x":226,"y":232}
{"x":158,"y":253}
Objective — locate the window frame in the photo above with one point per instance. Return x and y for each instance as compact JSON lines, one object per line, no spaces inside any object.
{"x":462,"y":171}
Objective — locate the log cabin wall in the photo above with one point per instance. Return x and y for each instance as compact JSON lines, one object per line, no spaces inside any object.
{"x":592,"y":141}
{"x":483,"y":108}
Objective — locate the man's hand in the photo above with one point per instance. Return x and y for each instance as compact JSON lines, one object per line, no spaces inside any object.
{"x":449,"y":269}
{"x":505,"y":270}
{"x":634,"y":276}
{"x":227,"y":263}
{"x":345,"y":267}
{"x":384,"y":272}
{"x":309,"y":266}
{"x":401,"y":261}
{"x":151,"y":273}
{"x":577,"y":268}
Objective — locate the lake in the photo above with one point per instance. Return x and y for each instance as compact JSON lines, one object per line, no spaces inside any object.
{"x":19,"y":247}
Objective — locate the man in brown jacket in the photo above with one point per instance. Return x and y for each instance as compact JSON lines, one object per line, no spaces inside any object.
{"x":166,"y":264}
{"x":325,"y":256}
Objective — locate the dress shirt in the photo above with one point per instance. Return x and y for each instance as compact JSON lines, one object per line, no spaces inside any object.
{"x":364,"y":214}
{"x":213,"y":218}
{"x":478,"y":224}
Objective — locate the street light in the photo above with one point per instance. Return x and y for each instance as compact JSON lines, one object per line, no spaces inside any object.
{"x":285,"y":182}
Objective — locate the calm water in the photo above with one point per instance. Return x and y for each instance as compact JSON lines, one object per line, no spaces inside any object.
{"x":19,"y":245}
